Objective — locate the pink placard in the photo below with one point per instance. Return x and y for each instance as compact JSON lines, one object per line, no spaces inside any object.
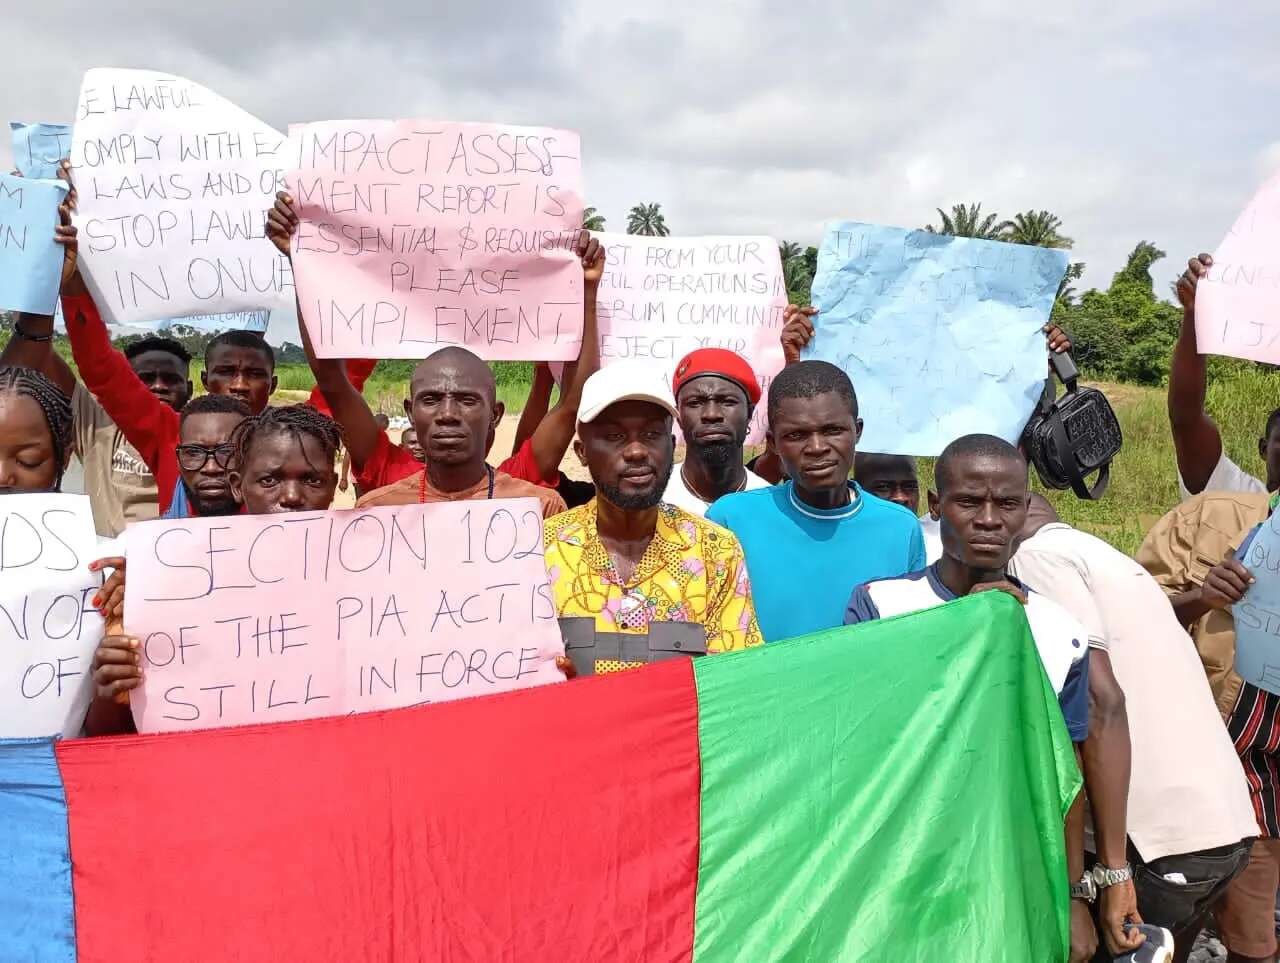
{"x":662,"y":297}
{"x":1238,"y":301}
{"x":266,"y":618}
{"x":418,"y":234}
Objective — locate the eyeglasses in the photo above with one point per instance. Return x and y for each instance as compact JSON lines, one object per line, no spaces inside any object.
{"x":195,"y":457}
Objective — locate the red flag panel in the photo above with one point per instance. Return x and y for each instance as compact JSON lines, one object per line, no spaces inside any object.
{"x":558,"y":823}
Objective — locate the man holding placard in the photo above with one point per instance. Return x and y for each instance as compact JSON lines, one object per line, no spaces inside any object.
{"x":636,"y":580}
{"x":1203,"y":463}
{"x":1178,"y":552}
{"x":379,"y":463}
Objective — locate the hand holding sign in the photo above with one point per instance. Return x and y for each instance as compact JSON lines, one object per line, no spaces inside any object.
{"x":1252,"y":590}
{"x":268,"y":618}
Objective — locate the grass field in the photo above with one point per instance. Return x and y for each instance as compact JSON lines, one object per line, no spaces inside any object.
{"x":1144,"y":482}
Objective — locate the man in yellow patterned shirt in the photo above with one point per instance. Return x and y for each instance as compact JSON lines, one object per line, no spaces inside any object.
{"x":635,"y":580}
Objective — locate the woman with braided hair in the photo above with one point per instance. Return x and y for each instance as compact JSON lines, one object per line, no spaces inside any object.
{"x":35,"y":432}
{"x":285,"y":460}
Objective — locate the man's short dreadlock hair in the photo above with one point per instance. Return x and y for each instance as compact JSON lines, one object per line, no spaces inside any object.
{"x":293,"y":420}
{"x":56,"y":407}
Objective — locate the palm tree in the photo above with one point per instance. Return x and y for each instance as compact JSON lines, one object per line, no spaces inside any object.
{"x":647,"y":219}
{"x":1066,"y":293}
{"x":967,"y":221}
{"x":798,"y":279}
{"x":592,"y":220}
{"x":1037,"y":228}
{"x":1138,"y":265}
{"x":788,"y":250}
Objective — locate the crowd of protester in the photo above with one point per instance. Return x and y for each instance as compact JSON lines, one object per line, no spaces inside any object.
{"x":1178,"y":824}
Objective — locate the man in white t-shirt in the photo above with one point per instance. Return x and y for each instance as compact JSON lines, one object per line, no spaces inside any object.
{"x":981,"y":483}
{"x":1190,"y":823}
{"x":716,"y":392}
{"x":1203,"y":465}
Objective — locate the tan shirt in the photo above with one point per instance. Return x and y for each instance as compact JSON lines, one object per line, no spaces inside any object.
{"x":120,"y":487}
{"x":1181,"y":749}
{"x":1180,"y":550}
{"x":410,"y":491}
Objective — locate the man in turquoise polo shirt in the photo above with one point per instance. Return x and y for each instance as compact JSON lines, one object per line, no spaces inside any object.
{"x":811,"y":540}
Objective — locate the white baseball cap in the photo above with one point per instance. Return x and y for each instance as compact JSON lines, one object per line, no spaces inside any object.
{"x":626,"y":381}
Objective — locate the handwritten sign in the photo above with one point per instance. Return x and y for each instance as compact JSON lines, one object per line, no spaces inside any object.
{"x":174,"y":184}
{"x":662,"y":297}
{"x":940,"y":335}
{"x":39,"y":148}
{"x":1257,"y":615}
{"x":1238,"y":301}
{"x":48,"y":627}
{"x":30,"y":261}
{"x":416,"y":235}
{"x":273,"y":617}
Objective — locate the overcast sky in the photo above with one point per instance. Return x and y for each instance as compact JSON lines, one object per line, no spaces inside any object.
{"x":1130,"y":119}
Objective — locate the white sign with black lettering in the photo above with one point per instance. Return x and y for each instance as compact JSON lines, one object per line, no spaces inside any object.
{"x":268,"y":618}
{"x":174,"y":185}
{"x":48,"y":626}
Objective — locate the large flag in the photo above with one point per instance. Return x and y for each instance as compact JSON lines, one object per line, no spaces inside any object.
{"x":891,"y":791}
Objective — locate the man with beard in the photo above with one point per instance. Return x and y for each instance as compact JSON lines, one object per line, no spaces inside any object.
{"x":635,"y":580}
{"x":205,"y":456}
{"x":716,"y":392}
{"x":455,"y":411}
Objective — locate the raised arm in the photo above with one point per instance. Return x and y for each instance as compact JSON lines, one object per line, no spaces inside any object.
{"x":347,"y":404}
{"x":554,"y":434}
{"x":148,"y":423}
{"x":535,"y":406}
{"x":1196,"y":440}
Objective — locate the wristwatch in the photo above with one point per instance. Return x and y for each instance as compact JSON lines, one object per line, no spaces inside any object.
{"x":1086,"y":889}
{"x":1104,"y":876}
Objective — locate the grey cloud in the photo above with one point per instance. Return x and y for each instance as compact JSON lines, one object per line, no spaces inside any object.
{"x":1142,"y":119}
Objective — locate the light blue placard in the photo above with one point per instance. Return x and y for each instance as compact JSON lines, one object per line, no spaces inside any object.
{"x":30,"y":261}
{"x":940,"y":335}
{"x":1257,"y":615}
{"x":39,"y":148}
